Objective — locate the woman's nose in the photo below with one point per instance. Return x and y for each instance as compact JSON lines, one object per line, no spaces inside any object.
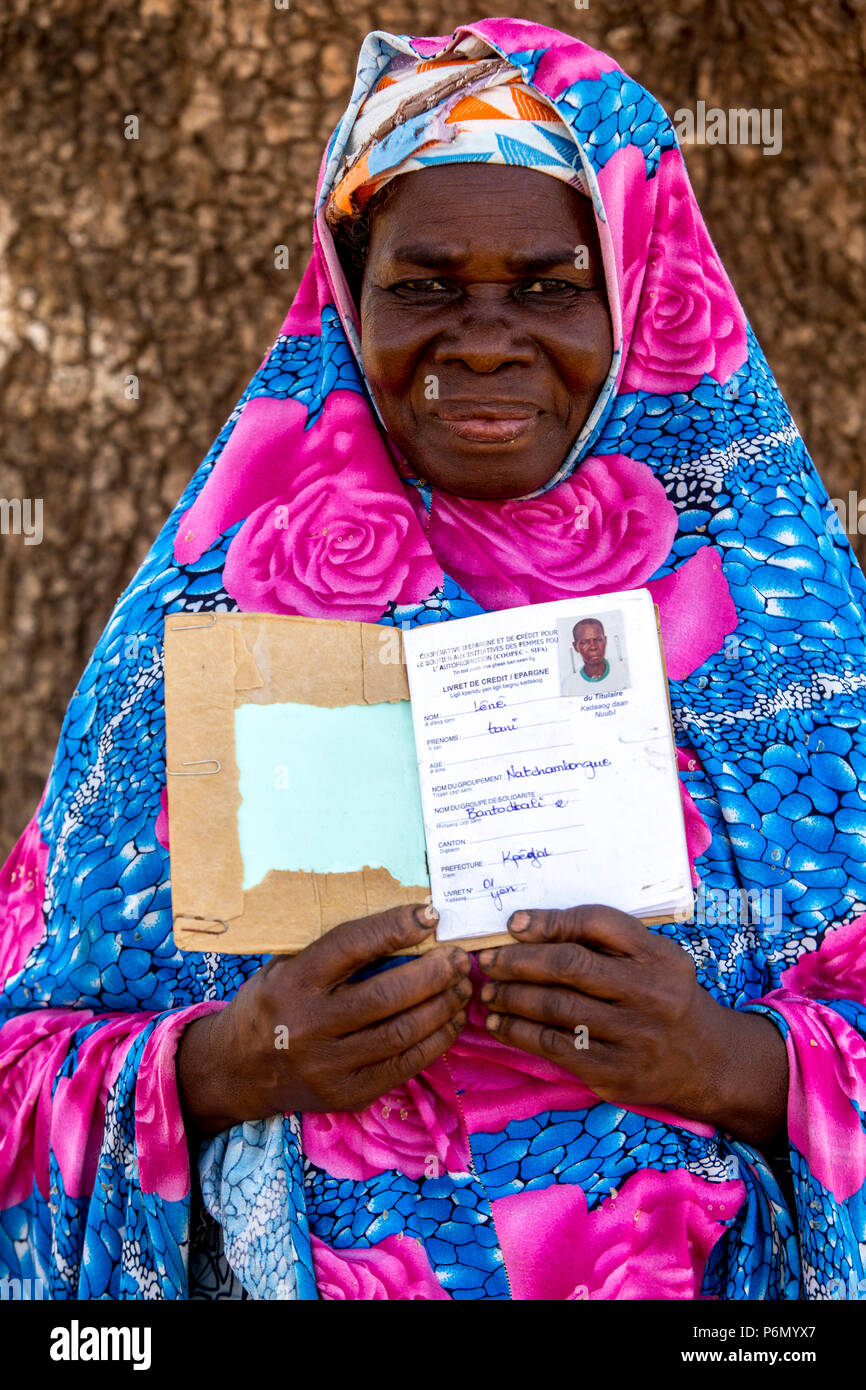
{"x":485,"y":337}
{"x":484,"y":350}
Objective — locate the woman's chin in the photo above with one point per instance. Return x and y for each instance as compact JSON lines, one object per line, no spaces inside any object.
{"x":489,"y":476}
{"x":483,"y":491}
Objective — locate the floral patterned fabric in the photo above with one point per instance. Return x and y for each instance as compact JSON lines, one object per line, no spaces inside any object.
{"x":493,"y":1174}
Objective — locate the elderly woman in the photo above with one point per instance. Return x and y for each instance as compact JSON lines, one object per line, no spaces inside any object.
{"x":514,"y":371}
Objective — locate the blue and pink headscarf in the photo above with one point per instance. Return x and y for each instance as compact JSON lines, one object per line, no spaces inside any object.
{"x":692,"y":479}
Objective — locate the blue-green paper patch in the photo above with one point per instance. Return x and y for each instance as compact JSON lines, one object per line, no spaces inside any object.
{"x":329,"y":791}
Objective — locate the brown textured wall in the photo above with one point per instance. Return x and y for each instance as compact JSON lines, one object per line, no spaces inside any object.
{"x":155,"y":256}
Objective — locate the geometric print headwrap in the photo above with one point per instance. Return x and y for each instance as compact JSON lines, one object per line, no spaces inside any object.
{"x":445,"y":111}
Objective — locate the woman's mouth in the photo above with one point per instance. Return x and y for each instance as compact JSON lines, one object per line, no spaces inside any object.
{"x":488,"y":423}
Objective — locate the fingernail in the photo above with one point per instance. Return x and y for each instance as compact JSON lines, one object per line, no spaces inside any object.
{"x":493,"y":1021}
{"x":461,"y":962}
{"x":518,"y":921}
{"x":485,"y":958}
{"x":426,"y":916}
{"x":460,"y":1018}
{"x":487,"y":993}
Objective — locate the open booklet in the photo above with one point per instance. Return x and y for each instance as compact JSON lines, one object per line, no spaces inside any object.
{"x":535,"y":767}
{"x":546,"y":762}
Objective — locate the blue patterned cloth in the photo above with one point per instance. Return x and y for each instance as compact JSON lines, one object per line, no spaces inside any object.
{"x":775,"y":720}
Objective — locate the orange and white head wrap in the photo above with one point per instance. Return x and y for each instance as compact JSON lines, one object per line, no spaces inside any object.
{"x":450,"y":110}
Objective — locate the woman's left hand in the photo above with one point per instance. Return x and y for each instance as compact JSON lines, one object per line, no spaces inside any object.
{"x":594,"y":990}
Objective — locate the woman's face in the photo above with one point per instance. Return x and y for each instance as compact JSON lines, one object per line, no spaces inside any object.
{"x":485,"y":334}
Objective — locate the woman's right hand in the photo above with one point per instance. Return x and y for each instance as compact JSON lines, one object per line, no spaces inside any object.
{"x":297,"y":1036}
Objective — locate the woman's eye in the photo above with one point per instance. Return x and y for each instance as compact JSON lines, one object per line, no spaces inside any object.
{"x":548,"y":287}
{"x":420,"y":286}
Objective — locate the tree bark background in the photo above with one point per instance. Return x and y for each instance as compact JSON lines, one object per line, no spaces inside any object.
{"x":154,"y":256}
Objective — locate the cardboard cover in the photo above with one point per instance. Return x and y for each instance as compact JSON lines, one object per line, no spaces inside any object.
{"x":215,"y":662}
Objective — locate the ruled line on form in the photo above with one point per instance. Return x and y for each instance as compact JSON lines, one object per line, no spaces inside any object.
{"x":513,"y":753}
{"x":485,"y":733}
{"x":500,"y":863}
{"x":509,"y":835}
{"x":452,"y":714}
{"x":458,"y":824}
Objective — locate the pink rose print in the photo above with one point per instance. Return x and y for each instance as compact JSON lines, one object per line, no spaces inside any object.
{"x":607,"y":527}
{"x":680,"y":317}
{"x":557,"y":68}
{"x":837,"y":970}
{"x":394,"y":1269}
{"x":78,"y":1108}
{"x":826,"y":1090}
{"x":696,"y":612}
{"x":22,"y":889}
{"x":314,"y":292}
{"x":161,"y":828}
{"x":328,"y":531}
{"x":429,"y":45}
{"x":688,"y":760}
{"x":160,"y":1135}
{"x":498,"y":1083}
{"x":336,"y":556}
{"x":699,"y":837}
{"x":32,"y":1049}
{"x":649,"y":1240}
{"x":415,"y":1129}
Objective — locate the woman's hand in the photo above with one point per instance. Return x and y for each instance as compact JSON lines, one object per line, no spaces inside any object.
{"x":594,"y":990}
{"x":297,"y":1036}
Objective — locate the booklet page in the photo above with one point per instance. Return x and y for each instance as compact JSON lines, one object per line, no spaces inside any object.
{"x":546,"y":762}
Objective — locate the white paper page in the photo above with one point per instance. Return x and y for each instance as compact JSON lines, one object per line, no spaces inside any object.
{"x":535,"y":798}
